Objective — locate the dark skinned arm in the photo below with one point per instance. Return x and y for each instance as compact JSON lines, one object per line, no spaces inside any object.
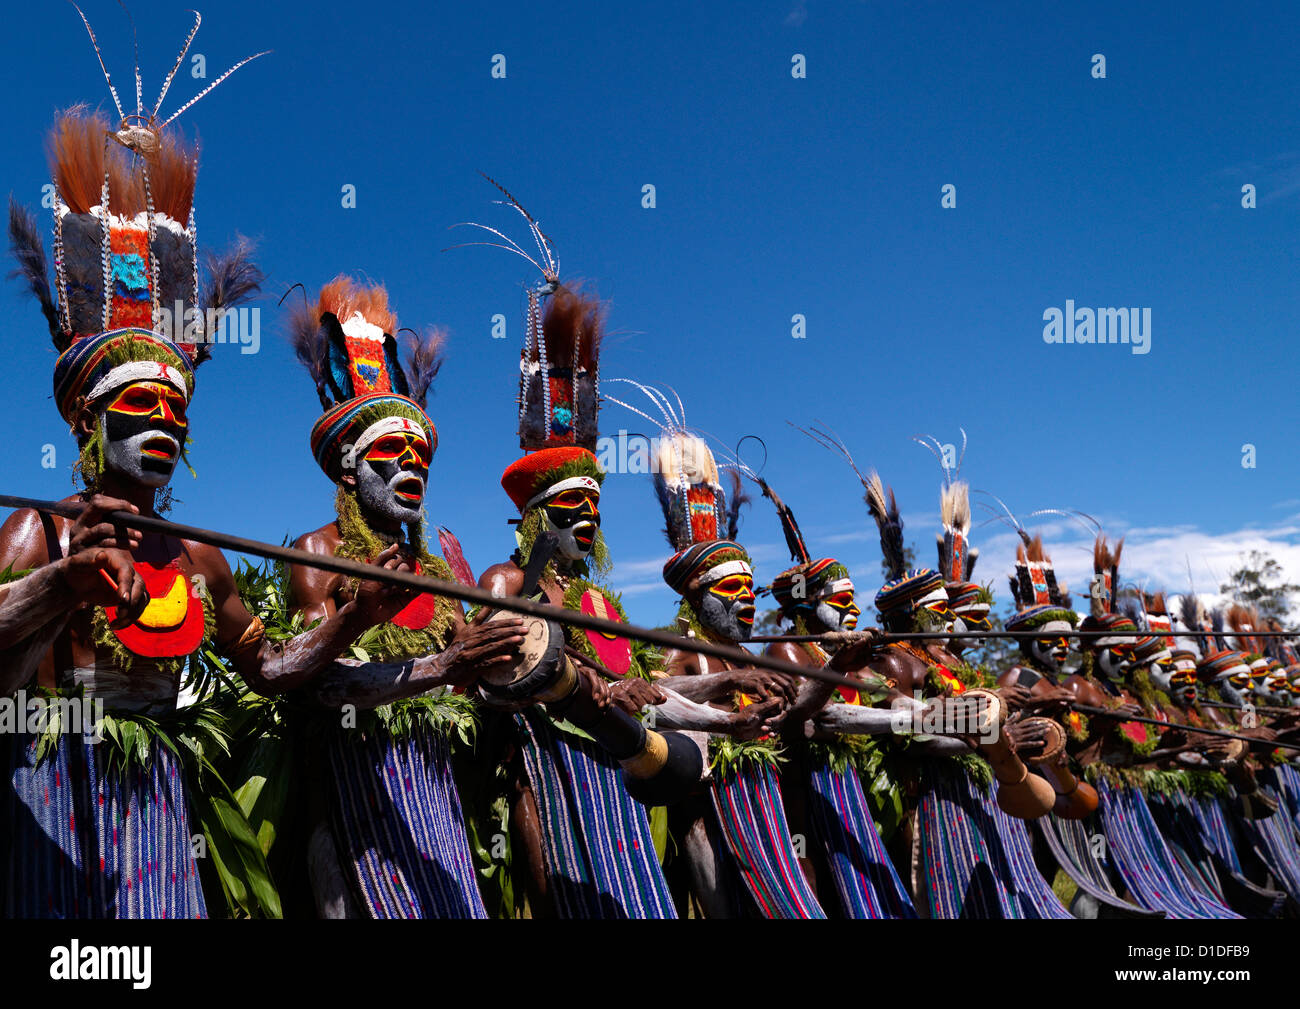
{"x":272,"y":667}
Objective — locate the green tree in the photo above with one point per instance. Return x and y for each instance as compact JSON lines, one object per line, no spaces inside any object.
{"x":1257,"y":581}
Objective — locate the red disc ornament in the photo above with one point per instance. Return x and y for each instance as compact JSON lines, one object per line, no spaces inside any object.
{"x":419,"y":612}
{"x":172,"y":624}
{"x":615,"y":654}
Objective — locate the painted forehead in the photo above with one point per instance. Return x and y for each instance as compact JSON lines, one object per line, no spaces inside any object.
{"x":396,"y":444}
{"x":144,"y":399}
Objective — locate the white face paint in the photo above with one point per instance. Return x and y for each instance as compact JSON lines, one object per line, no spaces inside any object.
{"x":1111,"y":665}
{"x":397,"y":500}
{"x":573,"y":515}
{"x":835,"y":619}
{"x":143,"y":426}
{"x":148,"y":458}
{"x":575,"y":541}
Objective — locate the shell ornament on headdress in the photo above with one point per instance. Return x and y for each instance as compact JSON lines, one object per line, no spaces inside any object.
{"x":128,"y":304}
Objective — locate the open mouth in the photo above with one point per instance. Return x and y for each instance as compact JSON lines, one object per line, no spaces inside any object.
{"x":161,"y":448}
{"x":584,"y":534}
{"x":745,"y":615}
{"x":411,"y":490}
{"x":850,"y":622}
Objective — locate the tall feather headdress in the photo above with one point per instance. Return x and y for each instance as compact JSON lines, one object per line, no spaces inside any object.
{"x":127,"y":295}
{"x":559,"y":374}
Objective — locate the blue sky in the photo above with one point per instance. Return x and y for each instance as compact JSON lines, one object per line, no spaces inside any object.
{"x":775,"y":196}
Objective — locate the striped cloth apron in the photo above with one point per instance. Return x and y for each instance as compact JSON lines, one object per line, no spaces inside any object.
{"x":978,"y":861}
{"x":865,"y":878}
{"x":1286,"y":779}
{"x":1278,"y":841}
{"x":596,"y":840}
{"x":1179,"y":817}
{"x":1149,"y":869}
{"x":398,"y":825}
{"x":83,"y":840}
{"x":747,"y":803}
{"x":1086,"y":861}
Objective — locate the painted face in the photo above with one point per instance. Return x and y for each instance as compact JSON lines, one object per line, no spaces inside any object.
{"x":144,"y":428}
{"x":1235,"y":688}
{"x":1182,"y":687}
{"x":1050,"y":651}
{"x":727,"y":607}
{"x":838,"y":611}
{"x":574,"y":516}
{"x":1113,"y":661}
{"x":948,"y":620}
{"x":392,"y":475}
{"x":1161,"y":673}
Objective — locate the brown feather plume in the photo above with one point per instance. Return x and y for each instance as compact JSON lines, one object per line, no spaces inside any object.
{"x":78,"y":151}
{"x":1103,"y":557}
{"x":572,"y":319}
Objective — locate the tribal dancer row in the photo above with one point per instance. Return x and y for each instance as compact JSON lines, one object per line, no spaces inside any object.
{"x":296,"y":742}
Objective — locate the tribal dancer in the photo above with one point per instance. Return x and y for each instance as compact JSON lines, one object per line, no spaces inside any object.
{"x":1188,"y":806}
{"x":967,"y":857}
{"x":587,"y":846}
{"x":744,"y":832}
{"x":1149,"y":868}
{"x":397,"y":826}
{"x":92,"y":830}
{"x":822,"y":791}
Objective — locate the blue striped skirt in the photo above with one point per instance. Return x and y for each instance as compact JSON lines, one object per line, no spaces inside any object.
{"x":1149,"y":869}
{"x":865,"y":878}
{"x":978,"y":861}
{"x":748,"y":805}
{"x":398,"y":824}
{"x":599,"y":852}
{"x":87,"y":841}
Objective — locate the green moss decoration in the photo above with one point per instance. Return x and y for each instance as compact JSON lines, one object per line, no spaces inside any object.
{"x":88,"y":470}
{"x":1151,"y":699}
{"x":388,"y":642}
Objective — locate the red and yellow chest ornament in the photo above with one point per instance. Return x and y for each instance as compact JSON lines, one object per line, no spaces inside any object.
{"x":172,"y":625}
{"x":614,"y":653}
